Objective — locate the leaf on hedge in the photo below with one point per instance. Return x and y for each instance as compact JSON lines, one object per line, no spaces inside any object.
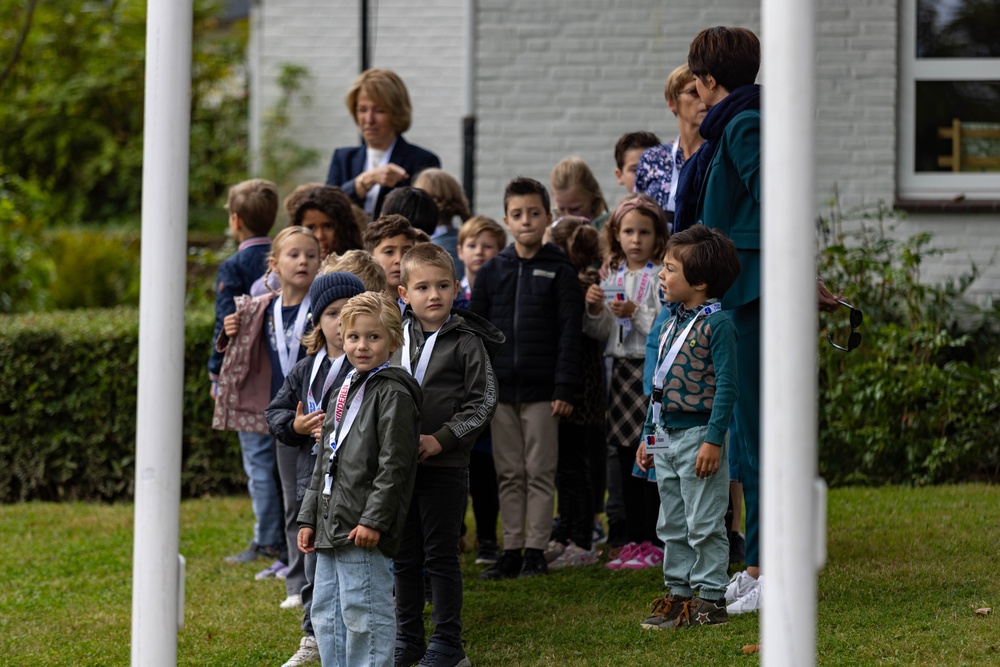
{"x":751,"y":648}
{"x":984,"y":611}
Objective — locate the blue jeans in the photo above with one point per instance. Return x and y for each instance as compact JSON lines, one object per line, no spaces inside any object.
{"x":259,"y":463}
{"x":430,"y":539}
{"x":352,"y":609}
{"x":692,"y":525}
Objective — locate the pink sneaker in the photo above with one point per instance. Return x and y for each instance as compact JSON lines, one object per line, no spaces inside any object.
{"x":623,"y":555}
{"x":646,"y":555}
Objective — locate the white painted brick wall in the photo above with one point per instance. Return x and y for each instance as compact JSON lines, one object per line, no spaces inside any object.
{"x":557,"y":78}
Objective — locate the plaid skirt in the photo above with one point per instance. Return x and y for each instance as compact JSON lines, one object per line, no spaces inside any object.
{"x":626,"y":403}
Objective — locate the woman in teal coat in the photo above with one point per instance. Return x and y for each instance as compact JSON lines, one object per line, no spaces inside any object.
{"x":726,"y":178}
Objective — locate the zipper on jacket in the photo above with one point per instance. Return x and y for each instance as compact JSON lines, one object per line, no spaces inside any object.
{"x":517,"y":317}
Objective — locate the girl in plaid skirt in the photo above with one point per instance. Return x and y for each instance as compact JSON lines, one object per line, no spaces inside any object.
{"x":621,"y":310}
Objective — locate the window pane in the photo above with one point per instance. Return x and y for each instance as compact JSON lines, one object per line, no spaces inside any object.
{"x":975,"y":105}
{"x":958,"y":28}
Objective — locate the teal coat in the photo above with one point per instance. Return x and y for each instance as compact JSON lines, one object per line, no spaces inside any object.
{"x":730,"y":201}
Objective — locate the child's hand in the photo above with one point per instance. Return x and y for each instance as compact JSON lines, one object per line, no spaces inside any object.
{"x":707,"y":463}
{"x":213,"y":391}
{"x":231,"y":325}
{"x":305,"y":539}
{"x":595,"y":299}
{"x":363,"y":536}
{"x":561,"y":408}
{"x":429,"y":446}
{"x":304,"y":424}
{"x":642,"y":459}
{"x":623,"y":309}
{"x":317,"y":433}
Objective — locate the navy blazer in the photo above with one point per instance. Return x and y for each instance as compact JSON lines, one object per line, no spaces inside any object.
{"x":348,"y":163}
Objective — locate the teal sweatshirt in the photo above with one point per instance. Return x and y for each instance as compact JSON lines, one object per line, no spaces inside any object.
{"x":700,"y":387}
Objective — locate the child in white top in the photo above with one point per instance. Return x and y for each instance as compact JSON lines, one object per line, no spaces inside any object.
{"x":621,"y":310}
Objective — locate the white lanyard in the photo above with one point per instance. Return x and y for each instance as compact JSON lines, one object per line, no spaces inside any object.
{"x":288,"y":353}
{"x":331,"y":375}
{"x":425,"y":354}
{"x":674,"y":174}
{"x":340,"y":429}
{"x":466,"y":287}
{"x":668,"y":360}
{"x":640,"y":293}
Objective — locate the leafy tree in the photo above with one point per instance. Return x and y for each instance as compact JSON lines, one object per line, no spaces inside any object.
{"x":71,"y":104}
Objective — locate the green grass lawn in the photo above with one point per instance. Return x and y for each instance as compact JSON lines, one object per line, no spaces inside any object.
{"x":907,"y":568}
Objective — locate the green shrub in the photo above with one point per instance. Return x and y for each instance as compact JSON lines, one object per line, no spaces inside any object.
{"x":68,"y":408}
{"x":26,"y":268}
{"x":94,"y":269}
{"x":919,"y":401}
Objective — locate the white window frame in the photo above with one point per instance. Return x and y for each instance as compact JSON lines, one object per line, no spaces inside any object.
{"x":936,"y":185}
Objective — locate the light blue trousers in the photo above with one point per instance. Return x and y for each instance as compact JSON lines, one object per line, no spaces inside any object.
{"x":352,"y":610}
{"x":692,"y":517}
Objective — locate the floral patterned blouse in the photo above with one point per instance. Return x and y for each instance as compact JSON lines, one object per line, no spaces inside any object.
{"x":655,"y":171}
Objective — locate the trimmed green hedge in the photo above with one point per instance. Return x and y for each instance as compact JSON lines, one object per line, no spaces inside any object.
{"x":68,"y":408}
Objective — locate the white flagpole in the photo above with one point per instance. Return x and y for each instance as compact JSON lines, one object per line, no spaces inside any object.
{"x":156,"y":578}
{"x":789,"y":497}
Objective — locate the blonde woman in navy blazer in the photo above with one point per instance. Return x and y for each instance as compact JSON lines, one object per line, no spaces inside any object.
{"x":380,"y":105}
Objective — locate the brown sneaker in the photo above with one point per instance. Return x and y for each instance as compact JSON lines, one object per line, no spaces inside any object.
{"x":697,"y":612}
{"x":665,"y":611}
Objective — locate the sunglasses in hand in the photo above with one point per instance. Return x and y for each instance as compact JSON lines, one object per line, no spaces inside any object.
{"x":854,"y":340}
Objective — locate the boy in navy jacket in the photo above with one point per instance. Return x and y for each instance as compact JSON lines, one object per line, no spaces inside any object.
{"x":530,"y":291}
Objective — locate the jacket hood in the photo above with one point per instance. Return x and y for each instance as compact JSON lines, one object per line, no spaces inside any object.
{"x":404,"y":378}
{"x":491,"y":336}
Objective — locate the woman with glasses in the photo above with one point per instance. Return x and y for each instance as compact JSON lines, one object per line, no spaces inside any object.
{"x":657,"y":173}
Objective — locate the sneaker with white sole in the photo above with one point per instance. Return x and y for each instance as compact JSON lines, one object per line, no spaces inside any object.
{"x":308,"y":653}
{"x":270,"y":572}
{"x":739,"y":585}
{"x":647,"y":555}
{"x":293,"y":601}
{"x":623,"y":555}
{"x":748,"y":602}
{"x":554,"y":550}
{"x":574,"y":556}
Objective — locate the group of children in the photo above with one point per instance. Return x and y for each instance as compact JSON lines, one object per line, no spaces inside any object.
{"x":384,"y":389}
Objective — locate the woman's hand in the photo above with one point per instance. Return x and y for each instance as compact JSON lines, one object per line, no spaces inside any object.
{"x":388,"y":176}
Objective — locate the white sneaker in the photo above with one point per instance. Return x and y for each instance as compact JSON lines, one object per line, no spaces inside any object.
{"x":748,"y":602}
{"x":308,"y":652}
{"x":292,"y":602}
{"x":739,"y":585}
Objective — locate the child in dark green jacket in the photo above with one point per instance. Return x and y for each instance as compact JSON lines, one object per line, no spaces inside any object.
{"x":355,"y":508}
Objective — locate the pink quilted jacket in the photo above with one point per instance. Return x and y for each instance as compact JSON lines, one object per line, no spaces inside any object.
{"x":245,"y":378}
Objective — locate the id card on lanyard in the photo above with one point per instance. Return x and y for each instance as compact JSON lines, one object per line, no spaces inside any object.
{"x":640,"y":294}
{"x":659,"y":442}
{"x":341,"y":428}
